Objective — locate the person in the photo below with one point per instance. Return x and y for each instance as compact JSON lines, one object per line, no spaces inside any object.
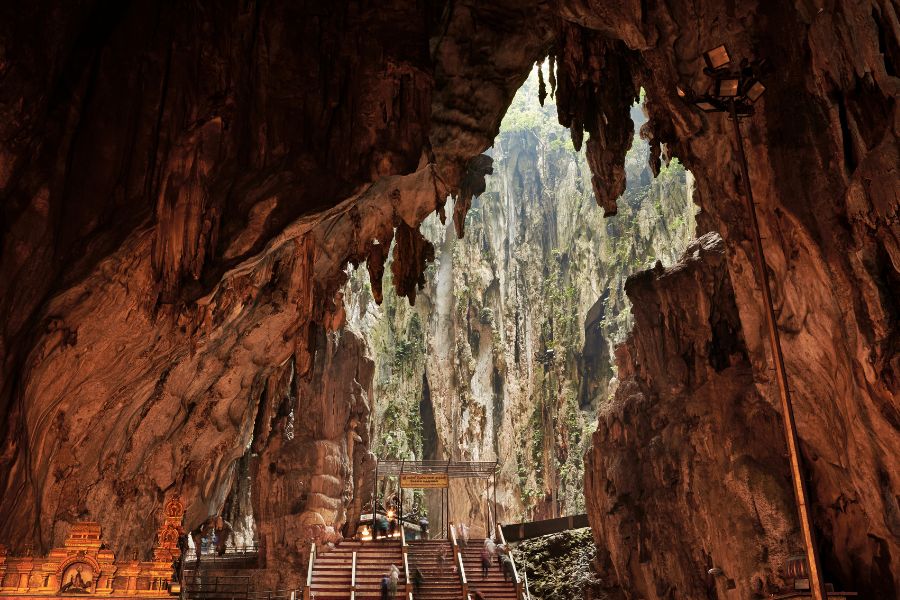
{"x":386,"y":588}
{"x":442,"y":559}
{"x":395,"y":579}
{"x":506,"y":567}
{"x":392,"y":523}
{"x":223,"y":531}
{"x":465,"y":533}
{"x":500,"y":552}
{"x":491,"y":546}
{"x":418,"y":580}
{"x":423,"y":526}
{"x":486,"y":558}
{"x":376,"y":527}
{"x":382,"y":525}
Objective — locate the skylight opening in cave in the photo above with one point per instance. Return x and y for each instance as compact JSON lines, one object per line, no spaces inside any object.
{"x":508,"y":351}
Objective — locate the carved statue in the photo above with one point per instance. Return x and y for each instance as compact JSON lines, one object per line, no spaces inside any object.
{"x":76,"y":584}
{"x":214,"y":523}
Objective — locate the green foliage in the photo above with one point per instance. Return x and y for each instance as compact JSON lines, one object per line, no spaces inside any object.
{"x":560,"y":566}
{"x":525,"y":116}
{"x":559,"y":256}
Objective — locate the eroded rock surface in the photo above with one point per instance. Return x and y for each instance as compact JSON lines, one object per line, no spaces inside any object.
{"x":182,"y":187}
{"x":688,"y":429}
{"x":513,"y":341}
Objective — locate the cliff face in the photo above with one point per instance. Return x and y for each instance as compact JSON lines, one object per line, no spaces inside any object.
{"x":183,"y":187}
{"x":821,"y":180}
{"x":687,"y":428}
{"x":182,"y":190}
{"x":494,"y":352}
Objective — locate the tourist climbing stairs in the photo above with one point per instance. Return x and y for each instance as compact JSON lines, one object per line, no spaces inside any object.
{"x":353,"y":570}
{"x":496,"y":585}
{"x":437,"y":584}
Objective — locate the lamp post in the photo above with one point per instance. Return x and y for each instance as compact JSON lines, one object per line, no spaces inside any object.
{"x":736,"y":92}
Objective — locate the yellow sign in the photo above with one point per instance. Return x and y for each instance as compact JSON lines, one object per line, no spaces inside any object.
{"x":424,"y":480}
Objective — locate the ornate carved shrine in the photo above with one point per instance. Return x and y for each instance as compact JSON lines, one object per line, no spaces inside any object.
{"x":84,"y":567}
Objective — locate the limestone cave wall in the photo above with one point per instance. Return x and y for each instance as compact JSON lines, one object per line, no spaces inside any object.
{"x":182,"y":187}
{"x":513,"y":331}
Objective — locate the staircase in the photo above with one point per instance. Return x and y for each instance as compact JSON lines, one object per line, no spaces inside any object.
{"x":215,"y":587}
{"x":225,"y":577}
{"x":332,"y":570}
{"x":494,"y":586}
{"x":424,"y":555}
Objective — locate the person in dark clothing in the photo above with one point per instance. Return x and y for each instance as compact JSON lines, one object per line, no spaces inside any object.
{"x":418,"y":580}
{"x":485,"y":562}
{"x":382,"y":524}
{"x":423,"y":526}
{"x":442,"y":560}
{"x":507,"y":567}
{"x":386,"y":588}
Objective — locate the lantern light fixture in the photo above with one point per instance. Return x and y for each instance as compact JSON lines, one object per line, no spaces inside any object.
{"x":738,"y":86}
{"x":717,"y":58}
{"x":727,"y":87}
{"x":735,"y":91}
{"x":707,"y":104}
{"x":754,"y":90}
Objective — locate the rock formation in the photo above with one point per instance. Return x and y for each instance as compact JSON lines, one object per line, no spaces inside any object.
{"x":687,"y":428}
{"x":183,"y":186}
{"x":499,"y":329}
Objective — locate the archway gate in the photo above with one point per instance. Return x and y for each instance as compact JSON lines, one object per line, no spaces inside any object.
{"x":436,"y":474}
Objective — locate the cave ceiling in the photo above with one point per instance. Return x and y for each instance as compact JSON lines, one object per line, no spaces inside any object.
{"x":183,"y":185}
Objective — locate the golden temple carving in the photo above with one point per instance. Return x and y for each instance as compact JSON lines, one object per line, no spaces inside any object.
{"x":83,"y":567}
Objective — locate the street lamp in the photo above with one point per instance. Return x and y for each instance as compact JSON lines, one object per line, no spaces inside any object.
{"x":735,"y":91}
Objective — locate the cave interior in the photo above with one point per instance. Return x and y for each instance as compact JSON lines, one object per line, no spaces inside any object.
{"x":183,"y":186}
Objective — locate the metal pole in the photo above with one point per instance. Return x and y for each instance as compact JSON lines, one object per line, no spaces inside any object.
{"x":447,"y":470}
{"x":496,"y":516}
{"x":374,"y":500}
{"x":816,"y":580}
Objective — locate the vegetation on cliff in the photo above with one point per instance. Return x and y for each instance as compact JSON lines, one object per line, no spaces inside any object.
{"x":508,"y":351}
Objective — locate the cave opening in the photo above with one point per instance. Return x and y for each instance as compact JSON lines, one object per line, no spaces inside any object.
{"x":508,"y":349}
{"x":182,"y":187}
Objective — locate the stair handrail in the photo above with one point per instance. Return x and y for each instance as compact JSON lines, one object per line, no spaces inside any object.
{"x":309,"y":571}
{"x":353,"y":578}
{"x":518,"y":581}
{"x":404,"y":548}
{"x":462,"y":575}
{"x":527,"y":591}
{"x":459,"y":562}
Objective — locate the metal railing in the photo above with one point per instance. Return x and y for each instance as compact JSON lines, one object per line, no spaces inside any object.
{"x":353,"y":578}
{"x":462,"y":575}
{"x":404,"y":548}
{"x":520,"y":591}
{"x":276,"y":595}
{"x":309,"y":571}
{"x":220,"y":587}
{"x":457,"y":556}
{"x":515,"y":532}
{"x":232,"y":552}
